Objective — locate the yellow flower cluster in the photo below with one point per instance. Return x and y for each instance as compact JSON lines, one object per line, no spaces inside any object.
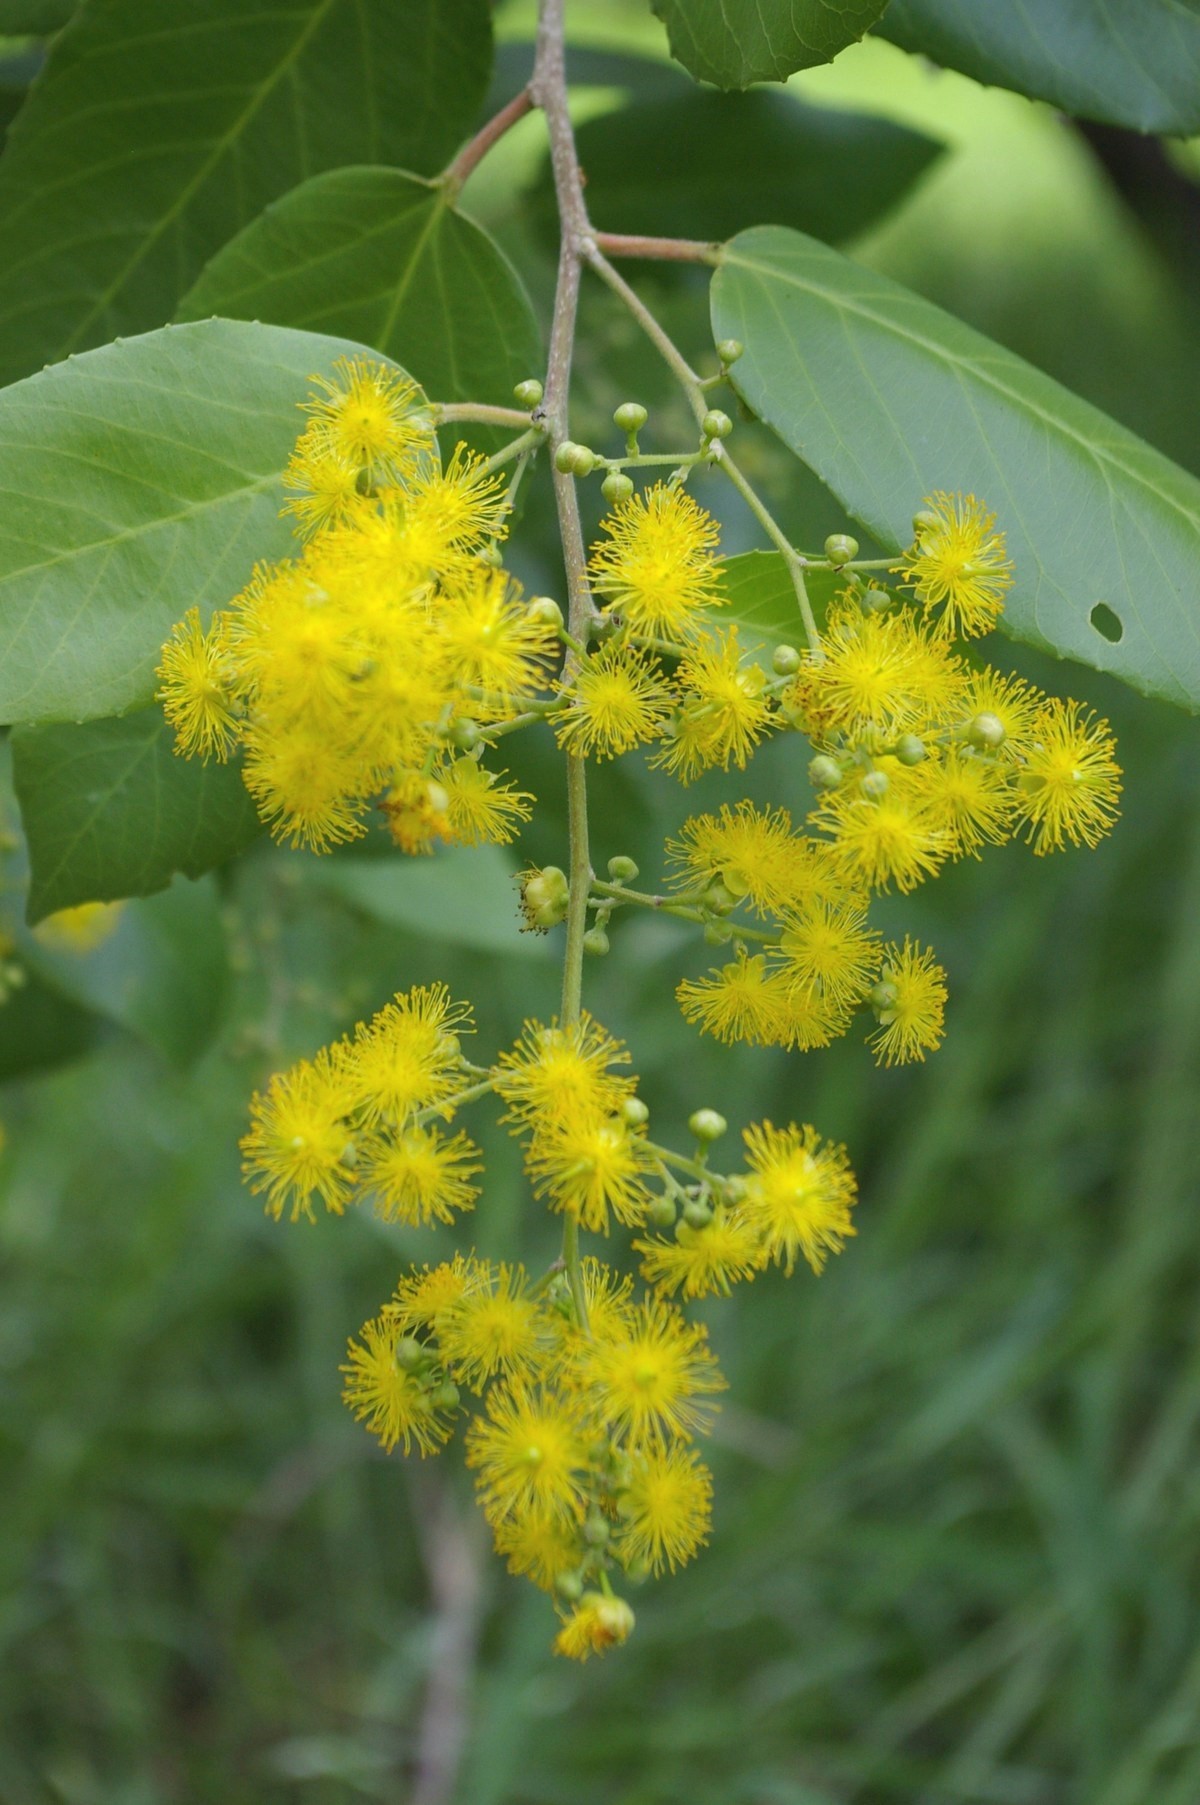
{"x":588,"y":1398}
{"x":376,"y":666}
{"x":370,"y":665}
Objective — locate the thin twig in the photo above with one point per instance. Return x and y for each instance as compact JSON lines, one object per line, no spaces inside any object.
{"x":473,"y":153}
{"x":659,"y":250}
{"x":453,"y":1557}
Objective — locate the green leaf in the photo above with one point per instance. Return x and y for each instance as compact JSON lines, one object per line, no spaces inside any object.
{"x":761,"y":600}
{"x":735,"y":42}
{"x":463,"y":894}
{"x":737,"y":158}
{"x":162,"y":973}
{"x":40,"y":1028}
{"x":136,"y":481}
{"x":1130,"y":62}
{"x":34,"y":18}
{"x":379,"y":256}
{"x":110,"y":810}
{"x":888,"y":398}
{"x":158,"y":130}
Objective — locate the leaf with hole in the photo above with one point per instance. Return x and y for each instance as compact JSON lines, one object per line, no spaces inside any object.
{"x":135,"y":482}
{"x":735,"y":42}
{"x":888,"y":398}
{"x":738,"y":158}
{"x":382,"y":257}
{"x":156,"y":132}
{"x":110,"y":810}
{"x":1129,"y":62}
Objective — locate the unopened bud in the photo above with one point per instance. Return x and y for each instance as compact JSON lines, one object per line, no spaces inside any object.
{"x":583,"y":460}
{"x":876,"y":600}
{"x":596,"y":942}
{"x":622,"y":870}
{"x":840,"y":548}
{"x":696,"y":1214}
{"x":634,"y":1112}
{"x":987,"y":731}
{"x":595,"y":1530}
{"x":661,"y":1213}
{"x":923,"y":519}
{"x":707,"y":1124}
{"x":529,"y":393}
{"x":631,"y":416}
{"x":466,"y":735}
{"x":716,"y":424}
{"x":718,"y":933}
{"x":875,"y":785}
{"x":564,"y":455}
{"x":569,"y":1585}
{"x":616,"y":487}
{"x":909,"y":749}
{"x":445,"y":1396}
{"x":882,"y":997}
{"x":719,"y":900}
{"x":785,"y":661}
{"x":824,"y":773}
{"x":410,"y":1355}
{"x":545,"y":610}
{"x":729,"y":350}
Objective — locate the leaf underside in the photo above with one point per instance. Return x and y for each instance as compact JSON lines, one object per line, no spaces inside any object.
{"x":735,"y":42}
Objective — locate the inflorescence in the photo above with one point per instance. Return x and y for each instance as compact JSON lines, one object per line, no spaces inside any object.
{"x":379,"y":667}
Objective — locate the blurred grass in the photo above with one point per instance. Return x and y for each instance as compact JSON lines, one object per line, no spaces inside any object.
{"x":955,"y":1556}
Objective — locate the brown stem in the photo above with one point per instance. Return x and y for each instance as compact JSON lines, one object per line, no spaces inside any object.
{"x":473,"y":153}
{"x":452,"y":1554}
{"x":660,"y":250}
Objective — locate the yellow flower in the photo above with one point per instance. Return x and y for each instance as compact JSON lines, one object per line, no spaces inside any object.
{"x":305,"y":792}
{"x":408,"y":1056}
{"x":958,"y":564}
{"x":372,"y":416}
{"x":1070,"y":780}
{"x":618,"y":701}
{"x":591,"y":1165}
{"x":423,"y":1298}
{"x":749,"y":850}
{"x":829,"y":948}
{"x":971,"y":796}
{"x":79,"y":929}
{"x":529,"y":1449}
{"x":653,"y":1377}
{"x":491,"y":639}
{"x":880,"y":675}
{"x":909,"y":1003}
{"x":724,"y":713}
{"x":798,"y":1194}
{"x":598,"y":1622}
{"x":462,"y":507}
{"x":417,"y":811}
{"x":746,"y":1000}
{"x":1012,"y":703}
{"x":195,"y":693}
{"x":702,"y":1262}
{"x":665,"y":1510}
{"x":657,"y":567}
{"x":482,"y":810}
{"x":890,"y":839}
{"x":395,"y":1405}
{"x":493,"y":1328}
{"x":299,"y":1134}
{"x":326,"y":481}
{"x":554,"y":1076}
{"x":421,"y":1176}
{"x":540,"y":1546}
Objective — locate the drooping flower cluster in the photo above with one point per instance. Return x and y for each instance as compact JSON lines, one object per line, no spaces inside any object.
{"x":583,"y":1399}
{"x":378,"y":665}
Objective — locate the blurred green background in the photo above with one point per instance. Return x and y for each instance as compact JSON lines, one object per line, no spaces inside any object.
{"x":955,"y":1552}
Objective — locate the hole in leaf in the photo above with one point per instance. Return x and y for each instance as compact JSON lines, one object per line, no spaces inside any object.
{"x":1107,"y":624}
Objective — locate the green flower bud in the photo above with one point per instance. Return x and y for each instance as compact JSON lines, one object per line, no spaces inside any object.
{"x":466,"y":735}
{"x":717,"y":933}
{"x":661,"y":1213}
{"x":410,"y":1355}
{"x":729,"y":350}
{"x":923,"y":519}
{"x":785,"y":661}
{"x":544,"y":897}
{"x":631,"y":416}
{"x":622,"y":870}
{"x":824,"y":773}
{"x":595,"y":1530}
{"x":634,"y":1112}
{"x":716,"y":425}
{"x":697,"y":1214}
{"x":616,"y":487}
{"x":583,"y":460}
{"x":445,"y":1397}
{"x":909,"y":749}
{"x":707,"y":1124}
{"x":529,"y":393}
{"x":735,"y":1189}
{"x":719,"y":900}
{"x":882,"y":997}
{"x":564,"y":455}
{"x":545,"y":609}
{"x":569,"y":1585}
{"x":987,"y":731}
{"x":840,"y":548}
{"x":595,"y":941}
{"x":876,"y":600}
{"x":875,"y":785}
